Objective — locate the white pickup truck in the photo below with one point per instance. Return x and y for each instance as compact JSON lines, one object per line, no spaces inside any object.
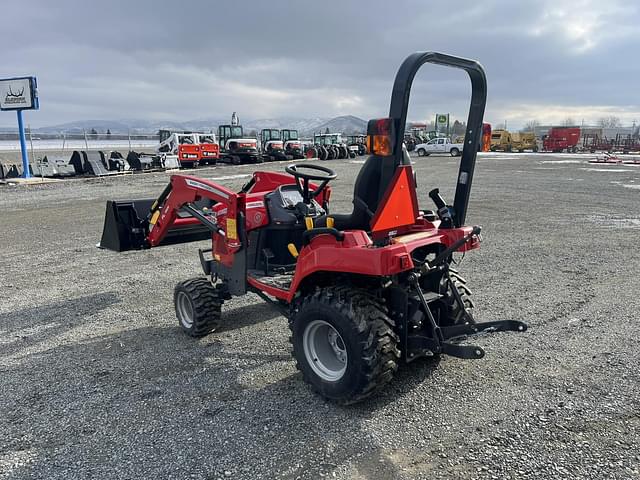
{"x":439,"y":145}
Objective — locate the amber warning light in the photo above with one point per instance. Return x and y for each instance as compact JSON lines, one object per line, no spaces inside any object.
{"x":380,"y":137}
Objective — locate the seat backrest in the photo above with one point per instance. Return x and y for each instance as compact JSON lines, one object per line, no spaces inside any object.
{"x":371,"y":184}
{"x":365,"y":190}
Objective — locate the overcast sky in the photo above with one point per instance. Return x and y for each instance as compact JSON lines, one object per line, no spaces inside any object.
{"x":184,"y":60}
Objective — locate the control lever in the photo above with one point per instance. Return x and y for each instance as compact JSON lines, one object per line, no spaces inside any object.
{"x":444,"y":212}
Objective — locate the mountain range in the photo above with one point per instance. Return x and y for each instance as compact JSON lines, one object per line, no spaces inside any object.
{"x":347,"y":124}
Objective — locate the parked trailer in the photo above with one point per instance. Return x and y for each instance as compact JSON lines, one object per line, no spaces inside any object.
{"x":626,"y":143}
{"x":501,"y":140}
{"x":560,"y":139}
{"x":522,"y":141}
{"x":593,"y":142}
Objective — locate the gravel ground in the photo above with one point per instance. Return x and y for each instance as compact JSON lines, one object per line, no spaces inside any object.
{"x":97,"y":381}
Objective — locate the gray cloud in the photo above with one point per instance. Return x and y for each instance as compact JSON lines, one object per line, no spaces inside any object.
{"x":197,"y":59}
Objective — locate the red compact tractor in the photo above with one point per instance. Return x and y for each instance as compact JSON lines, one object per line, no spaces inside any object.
{"x":363,"y":291}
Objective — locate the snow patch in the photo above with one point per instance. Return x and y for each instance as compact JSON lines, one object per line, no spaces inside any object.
{"x":606,"y":170}
{"x":562,"y":161}
{"x":614,"y":221}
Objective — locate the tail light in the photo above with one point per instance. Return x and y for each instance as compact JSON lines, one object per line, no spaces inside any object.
{"x":381,"y":137}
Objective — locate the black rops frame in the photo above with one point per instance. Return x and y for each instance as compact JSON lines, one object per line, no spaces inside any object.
{"x":400,"y":105}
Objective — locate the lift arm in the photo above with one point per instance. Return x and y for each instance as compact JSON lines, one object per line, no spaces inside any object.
{"x":180,"y":196}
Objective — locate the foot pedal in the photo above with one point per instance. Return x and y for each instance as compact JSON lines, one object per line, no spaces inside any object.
{"x":268,"y":255}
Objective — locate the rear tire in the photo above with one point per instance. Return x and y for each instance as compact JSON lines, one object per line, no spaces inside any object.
{"x":343,"y":343}
{"x":455,"y":314}
{"x":198,"y":306}
{"x":454,"y":152}
{"x":312,"y":153}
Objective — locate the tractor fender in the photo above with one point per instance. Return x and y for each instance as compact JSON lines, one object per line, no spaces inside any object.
{"x":355,"y":254}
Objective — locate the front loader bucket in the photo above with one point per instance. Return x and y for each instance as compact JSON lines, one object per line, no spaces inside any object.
{"x":126,"y":226}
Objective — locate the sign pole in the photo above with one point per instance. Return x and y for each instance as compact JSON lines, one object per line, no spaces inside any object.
{"x":23,"y":146}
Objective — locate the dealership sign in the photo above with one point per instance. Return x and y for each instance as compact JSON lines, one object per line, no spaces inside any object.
{"x":19,"y":94}
{"x":442,"y":119}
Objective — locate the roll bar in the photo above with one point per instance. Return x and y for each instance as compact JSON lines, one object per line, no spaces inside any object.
{"x":400,"y":105}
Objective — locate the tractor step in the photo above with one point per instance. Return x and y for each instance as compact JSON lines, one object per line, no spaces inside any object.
{"x":281,"y":281}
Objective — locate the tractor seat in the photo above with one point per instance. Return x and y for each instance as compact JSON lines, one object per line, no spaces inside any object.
{"x":365,"y":199}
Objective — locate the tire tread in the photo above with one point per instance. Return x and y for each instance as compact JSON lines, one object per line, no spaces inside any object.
{"x":375,"y":330}
{"x":207,"y":305}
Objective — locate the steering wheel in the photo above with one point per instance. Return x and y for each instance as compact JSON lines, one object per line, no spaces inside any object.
{"x":307,"y":194}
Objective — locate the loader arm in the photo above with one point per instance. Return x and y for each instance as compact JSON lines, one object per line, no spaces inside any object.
{"x":180,"y":196}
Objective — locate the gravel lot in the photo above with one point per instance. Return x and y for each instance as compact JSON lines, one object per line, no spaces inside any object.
{"x":97,"y":381}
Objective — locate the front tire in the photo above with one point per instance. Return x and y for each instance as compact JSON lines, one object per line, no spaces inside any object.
{"x":198,"y":306}
{"x":344,"y":343}
{"x":422,"y":152}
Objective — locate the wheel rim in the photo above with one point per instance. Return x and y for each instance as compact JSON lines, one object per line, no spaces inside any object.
{"x":185,"y":309}
{"x":325,"y":350}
